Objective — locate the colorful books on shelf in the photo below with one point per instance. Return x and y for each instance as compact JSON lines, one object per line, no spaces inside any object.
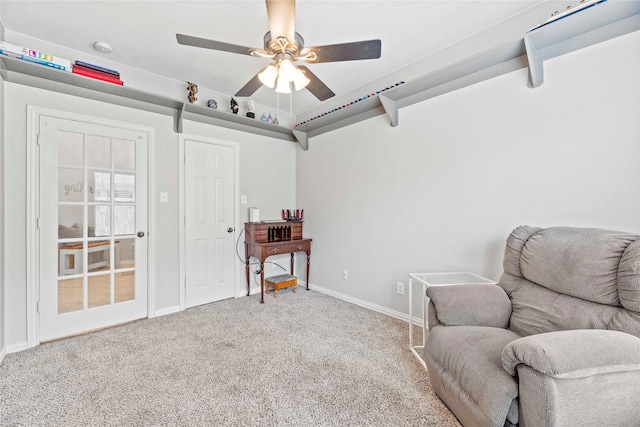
{"x":97,"y":68}
{"x":97,"y":72}
{"x":30,"y":55}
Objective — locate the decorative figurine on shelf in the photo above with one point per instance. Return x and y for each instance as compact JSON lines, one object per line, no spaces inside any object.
{"x":212,"y":104}
{"x":251,"y":107}
{"x":193,"y":89}
{"x":263,"y":118}
{"x":270,"y":119}
{"x":275,"y":120}
{"x":234,"y":106}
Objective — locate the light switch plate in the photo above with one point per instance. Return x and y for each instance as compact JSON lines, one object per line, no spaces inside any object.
{"x":243,"y":199}
{"x":164,"y":197}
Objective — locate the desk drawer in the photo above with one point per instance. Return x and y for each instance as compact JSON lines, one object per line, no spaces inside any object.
{"x":285,"y":249}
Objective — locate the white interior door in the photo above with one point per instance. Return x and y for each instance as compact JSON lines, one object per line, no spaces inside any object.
{"x":92,"y":226}
{"x":209,"y":222}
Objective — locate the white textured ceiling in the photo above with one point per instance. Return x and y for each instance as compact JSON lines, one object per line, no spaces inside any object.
{"x":142,"y":34}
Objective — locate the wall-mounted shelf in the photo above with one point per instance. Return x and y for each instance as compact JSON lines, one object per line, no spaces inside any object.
{"x":472,"y":60}
{"x":234,"y":121}
{"x":29,"y":74}
{"x":597,"y":23}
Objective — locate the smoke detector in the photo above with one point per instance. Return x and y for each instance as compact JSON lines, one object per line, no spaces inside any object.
{"x":102,"y":47}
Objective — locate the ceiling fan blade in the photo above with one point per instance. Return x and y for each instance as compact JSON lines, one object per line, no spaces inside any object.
{"x":212,"y":44}
{"x":369,"y":49}
{"x":251,"y":86}
{"x":282,"y":15}
{"x":315,"y":86}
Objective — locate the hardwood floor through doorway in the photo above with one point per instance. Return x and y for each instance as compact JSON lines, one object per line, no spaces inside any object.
{"x":70,"y":294}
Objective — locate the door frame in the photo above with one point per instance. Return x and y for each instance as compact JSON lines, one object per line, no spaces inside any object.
{"x":182,"y":209}
{"x":34,"y":113}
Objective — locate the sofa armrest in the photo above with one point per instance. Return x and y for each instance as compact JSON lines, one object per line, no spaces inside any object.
{"x":470,"y":305}
{"x":575,"y":353}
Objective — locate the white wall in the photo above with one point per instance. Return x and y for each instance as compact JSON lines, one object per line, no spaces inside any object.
{"x":267,"y":172}
{"x":442,"y":191}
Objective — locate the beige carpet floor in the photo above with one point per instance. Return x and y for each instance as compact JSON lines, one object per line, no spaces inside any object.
{"x":303,"y":359}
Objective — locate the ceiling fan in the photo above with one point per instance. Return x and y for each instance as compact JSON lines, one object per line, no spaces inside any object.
{"x":284,"y":46}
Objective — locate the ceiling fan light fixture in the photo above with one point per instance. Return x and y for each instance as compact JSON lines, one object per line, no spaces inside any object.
{"x":283,"y":86}
{"x":300,"y":81}
{"x":287,"y":70}
{"x":268,"y":76}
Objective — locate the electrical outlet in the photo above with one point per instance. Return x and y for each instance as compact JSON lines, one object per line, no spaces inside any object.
{"x":400,"y":288}
{"x":345,"y":274}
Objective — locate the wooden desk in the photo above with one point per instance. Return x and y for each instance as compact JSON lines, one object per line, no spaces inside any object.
{"x":262,"y":251}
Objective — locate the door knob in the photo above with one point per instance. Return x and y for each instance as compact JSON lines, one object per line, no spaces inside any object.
{"x":230,"y":230}
{"x":140,"y":234}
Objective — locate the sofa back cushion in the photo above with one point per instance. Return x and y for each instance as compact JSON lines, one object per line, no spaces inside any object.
{"x":572,"y":278}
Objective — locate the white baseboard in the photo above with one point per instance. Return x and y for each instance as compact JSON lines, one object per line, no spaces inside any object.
{"x":3,"y":353}
{"x":254,"y":290}
{"x":167,"y":310}
{"x":17,"y":347}
{"x":417,"y":321}
{"x":366,"y":304}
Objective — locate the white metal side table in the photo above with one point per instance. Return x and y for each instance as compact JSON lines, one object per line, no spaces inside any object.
{"x":434,"y":279}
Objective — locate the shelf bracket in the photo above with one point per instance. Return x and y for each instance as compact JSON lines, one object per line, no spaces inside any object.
{"x":536,"y":67}
{"x":302,"y":139}
{"x":391,"y":108}
{"x":178,"y":119}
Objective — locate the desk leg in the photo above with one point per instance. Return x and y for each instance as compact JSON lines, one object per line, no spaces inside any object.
{"x":248,"y":277}
{"x":308,"y":265}
{"x":261,"y":282}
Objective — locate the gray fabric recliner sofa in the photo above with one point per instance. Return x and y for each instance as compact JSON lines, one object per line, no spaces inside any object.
{"x":555,"y":343}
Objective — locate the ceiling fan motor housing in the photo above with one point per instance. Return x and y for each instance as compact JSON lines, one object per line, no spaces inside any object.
{"x":292,"y":48}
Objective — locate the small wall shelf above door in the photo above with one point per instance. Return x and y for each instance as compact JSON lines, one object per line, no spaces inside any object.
{"x":43,"y":77}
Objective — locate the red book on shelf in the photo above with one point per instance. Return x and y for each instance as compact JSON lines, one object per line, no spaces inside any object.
{"x":98,"y":72}
{"x":96,"y":75}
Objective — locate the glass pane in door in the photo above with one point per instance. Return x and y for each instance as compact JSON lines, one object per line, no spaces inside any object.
{"x":124,"y":286}
{"x":70,"y":221}
{"x":70,"y":295}
{"x":124,"y":152}
{"x":125,"y":253}
{"x":71,"y":258}
{"x":98,"y":152}
{"x":96,"y":217}
{"x":99,"y":290}
{"x":70,"y":185}
{"x":99,"y":186}
{"x":70,"y":149}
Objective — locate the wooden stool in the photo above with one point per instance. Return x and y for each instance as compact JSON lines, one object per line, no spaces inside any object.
{"x":280,"y":282}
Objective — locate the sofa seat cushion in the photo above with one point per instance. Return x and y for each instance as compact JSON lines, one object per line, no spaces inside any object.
{"x":470,"y":358}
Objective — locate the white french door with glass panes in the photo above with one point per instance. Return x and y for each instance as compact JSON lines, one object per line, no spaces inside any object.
{"x":92,"y":226}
